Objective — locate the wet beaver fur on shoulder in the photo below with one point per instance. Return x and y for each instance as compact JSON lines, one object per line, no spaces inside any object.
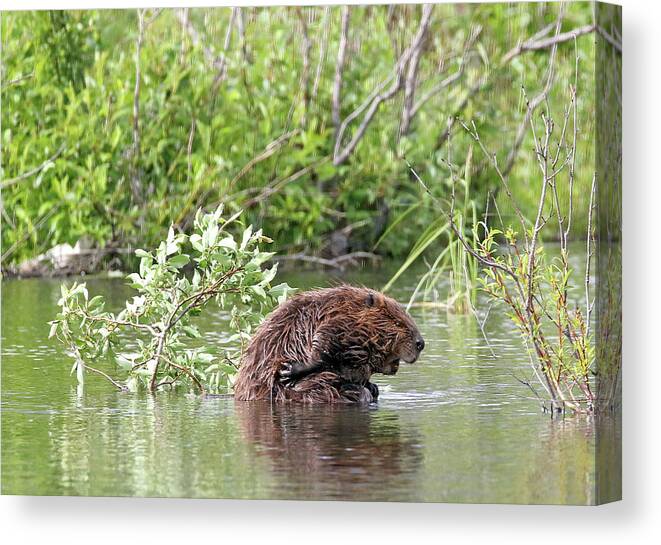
{"x":322,"y":346}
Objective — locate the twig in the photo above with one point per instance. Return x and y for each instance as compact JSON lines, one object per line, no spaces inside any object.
{"x":410,"y":84}
{"x":452,"y":118}
{"x":135,"y":179}
{"x":27,"y":235}
{"x":269,"y":150}
{"x":104,"y":375}
{"x":322,"y":55}
{"x":610,"y":39}
{"x":125,"y":323}
{"x":278,"y":184}
{"x":11,"y":181}
{"x":240,"y":28}
{"x":527,"y":383}
{"x":18,"y":80}
{"x":492,"y":157}
{"x":537,"y":100}
{"x":572,"y":166}
{"x":339,"y":68}
{"x":588,"y":303}
{"x":189,"y":150}
{"x":543,"y":155}
{"x":186,"y":372}
{"x":336,"y":263}
{"x":182,"y":15}
{"x":483,"y":260}
{"x":218,"y":62}
{"x":446,"y":82}
{"x":508,"y":57}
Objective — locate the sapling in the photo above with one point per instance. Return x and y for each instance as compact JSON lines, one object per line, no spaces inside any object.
{"x":535,"y":288}
{"x":159,"y":319}
{"x":518,"y":272}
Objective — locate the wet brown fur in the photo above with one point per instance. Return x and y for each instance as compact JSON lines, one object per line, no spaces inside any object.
{"x":352,"y":332}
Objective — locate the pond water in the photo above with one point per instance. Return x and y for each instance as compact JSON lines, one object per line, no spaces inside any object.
{"x":456,"y":426}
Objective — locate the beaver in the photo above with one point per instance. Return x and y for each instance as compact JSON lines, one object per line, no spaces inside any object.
{"x":322,"y":346}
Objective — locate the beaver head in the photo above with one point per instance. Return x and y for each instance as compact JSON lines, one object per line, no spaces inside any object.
{"x":390,"y":328}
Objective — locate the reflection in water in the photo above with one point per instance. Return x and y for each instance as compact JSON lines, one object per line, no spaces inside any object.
{"x":340,"y":452}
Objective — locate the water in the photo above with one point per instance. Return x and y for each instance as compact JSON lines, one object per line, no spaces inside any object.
{"x":455,"y":427}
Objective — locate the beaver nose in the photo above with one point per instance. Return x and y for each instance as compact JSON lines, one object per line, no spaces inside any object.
{"x":420,"y":344}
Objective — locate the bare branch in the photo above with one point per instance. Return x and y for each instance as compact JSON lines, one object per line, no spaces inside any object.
{"x":29,"y":232}
{"x":104,"y":375}
{"x":323,"y":46}
{"x":268,"y":151}
{"x":483,"y":260}
{"x":572,"y":166}
{"x":339,"y":68}
{"x":221,"y":62}
{"x":542,"y":153}
{"x":182,"y":15}
{"x":218,"y":62}
{"x":340,"y":154}
{"x":339,"y":262}
{"x":536,"y":44}
{"x":306,"y":46}
{"x":189,"y":150}
{"x":452,"y":118}
{"x":410,"y":84}
{"x":185,"y":371}
{"x":241,"y":30}
{"x":503,"y":179}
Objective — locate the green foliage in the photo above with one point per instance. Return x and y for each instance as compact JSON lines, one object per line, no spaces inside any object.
{"x":226,"y":270}
{"x":198,"y":138}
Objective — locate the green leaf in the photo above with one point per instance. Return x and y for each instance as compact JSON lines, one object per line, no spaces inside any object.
{"x":227,"y":242}
{"x":191,"y":331}
{"x":178,"y":261}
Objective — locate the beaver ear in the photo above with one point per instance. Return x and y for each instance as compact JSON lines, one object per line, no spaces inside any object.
{"x":370,"y":300}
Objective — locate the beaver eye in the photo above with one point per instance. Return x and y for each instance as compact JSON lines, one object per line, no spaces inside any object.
{"x":369,"y":300}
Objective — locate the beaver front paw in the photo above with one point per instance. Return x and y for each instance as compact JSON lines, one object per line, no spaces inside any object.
{"x":373,"y":389}
{"x":286,"y":374}
{"x":357,"y":393}
{"x":291,"y":371}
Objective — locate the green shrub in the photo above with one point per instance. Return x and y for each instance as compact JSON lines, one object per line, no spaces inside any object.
{"x":226,"y":270}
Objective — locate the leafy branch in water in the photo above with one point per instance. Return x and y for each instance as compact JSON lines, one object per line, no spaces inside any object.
{"x":226,"y":270}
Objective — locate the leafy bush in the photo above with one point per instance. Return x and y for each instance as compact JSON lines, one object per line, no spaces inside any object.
{"x":226,"y":270}
{"x":69,"y":82}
